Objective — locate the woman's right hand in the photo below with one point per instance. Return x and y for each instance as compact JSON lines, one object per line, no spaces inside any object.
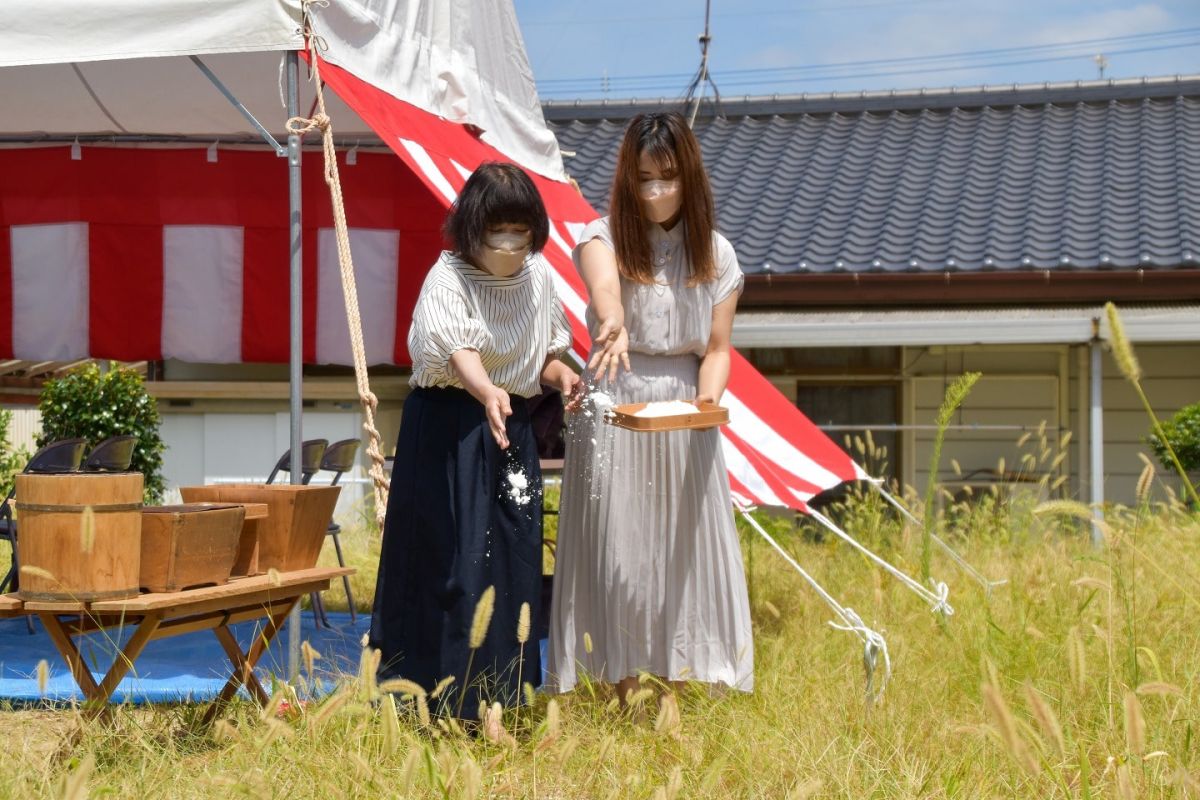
{"x":498,"y":409}
{"x":611,"y":347}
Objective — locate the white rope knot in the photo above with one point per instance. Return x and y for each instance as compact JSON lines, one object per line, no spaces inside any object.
{"x":941,"y":594}
{"x":874,"y":645}
{"x":302,"y":125}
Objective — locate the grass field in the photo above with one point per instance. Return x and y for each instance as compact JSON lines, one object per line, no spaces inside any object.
{"x":1077,"y":678}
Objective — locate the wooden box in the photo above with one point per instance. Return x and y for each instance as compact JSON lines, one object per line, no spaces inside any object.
{"x":246,"y":563}
{"x":67,"y":555}
{"x":708,"y":416}
{"x":189,"y":545}
{"x":293,"y":533}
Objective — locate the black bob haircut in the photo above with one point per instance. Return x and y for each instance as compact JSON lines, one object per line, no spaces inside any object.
{"x":495,"y":194}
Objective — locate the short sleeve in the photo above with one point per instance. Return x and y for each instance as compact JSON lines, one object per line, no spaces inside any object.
{"x":729,"y":273}
{"x":442,"y":325}
{"x":596,"y":229}
{"x":560,"y":327}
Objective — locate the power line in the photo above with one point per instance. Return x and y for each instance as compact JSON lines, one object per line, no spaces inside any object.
{"x":877,"y":73}
{"x":618,"y":81}
{"x":778,"y":12}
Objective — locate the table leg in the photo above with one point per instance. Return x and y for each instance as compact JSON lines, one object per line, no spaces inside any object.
{"x":70,"y":653}
{"x":98,"y":694}
{"x":243,"y":664}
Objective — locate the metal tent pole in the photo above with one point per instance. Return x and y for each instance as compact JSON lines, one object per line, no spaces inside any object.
{"x":296,"y":358}
{"x":1096,"y":434}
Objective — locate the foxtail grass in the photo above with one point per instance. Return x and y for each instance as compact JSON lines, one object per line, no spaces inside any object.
{"x":1127,"y":362}
{"x":479,"y":628}
{"x":955,"y":394}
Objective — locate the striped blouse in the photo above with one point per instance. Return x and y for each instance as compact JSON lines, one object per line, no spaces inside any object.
{"x":513,"y":323}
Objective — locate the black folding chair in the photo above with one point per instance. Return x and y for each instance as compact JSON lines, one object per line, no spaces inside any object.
{"x":55,"y":458}
{"x":114,"y":454}
{"x":338,"y":459}
{"x":310,"y":460}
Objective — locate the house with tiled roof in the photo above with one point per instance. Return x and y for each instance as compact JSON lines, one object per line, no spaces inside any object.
{"x":893,"y":240}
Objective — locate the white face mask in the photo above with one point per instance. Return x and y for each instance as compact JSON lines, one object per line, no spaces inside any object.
{"x":507,"y":242}
{"x":660,"y":199}
{"x":504,"y":253}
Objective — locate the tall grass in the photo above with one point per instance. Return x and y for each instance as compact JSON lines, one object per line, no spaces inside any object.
{"x":1077,"y":679}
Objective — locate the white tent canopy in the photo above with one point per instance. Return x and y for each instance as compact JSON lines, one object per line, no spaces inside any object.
{"x":127,"y":71}
{"x":76,"y":68}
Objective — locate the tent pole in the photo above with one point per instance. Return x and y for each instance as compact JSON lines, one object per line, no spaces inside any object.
{"x":1096,"y":433}
{"x":296,"y":339}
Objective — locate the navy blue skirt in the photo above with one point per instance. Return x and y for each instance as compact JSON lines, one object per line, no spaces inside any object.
{"x":455,"y":526}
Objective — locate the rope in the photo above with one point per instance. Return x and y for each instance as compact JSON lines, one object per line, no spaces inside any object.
{"x":874,"y":645}
{"x":320,"y":122}
{"x":938,"y":597}
{"x":987,"y":585}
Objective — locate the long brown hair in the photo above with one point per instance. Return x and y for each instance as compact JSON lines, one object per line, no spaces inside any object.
{"x":669,"y":141}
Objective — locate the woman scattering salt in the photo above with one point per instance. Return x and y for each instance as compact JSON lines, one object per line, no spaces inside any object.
{"x":460,"y":516}
{"x":648,"y":574}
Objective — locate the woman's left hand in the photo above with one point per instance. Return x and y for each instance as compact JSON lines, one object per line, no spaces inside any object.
{"x":571,"y":386}
{"x":567,"y":381}
{"x":704,"y":398}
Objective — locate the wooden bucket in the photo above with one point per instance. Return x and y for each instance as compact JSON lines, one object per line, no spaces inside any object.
{"x":292,"y":535}
{"x":59,"y":560}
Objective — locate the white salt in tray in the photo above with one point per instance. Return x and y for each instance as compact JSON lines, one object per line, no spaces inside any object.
{"x":670,"y":415}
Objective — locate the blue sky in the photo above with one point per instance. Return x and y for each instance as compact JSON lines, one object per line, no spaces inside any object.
{"x":573,"y":44}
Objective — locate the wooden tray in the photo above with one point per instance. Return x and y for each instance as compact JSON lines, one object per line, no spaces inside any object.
{"x":709,"y":416}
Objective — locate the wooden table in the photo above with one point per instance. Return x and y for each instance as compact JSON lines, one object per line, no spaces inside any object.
{"x":159,"y":615}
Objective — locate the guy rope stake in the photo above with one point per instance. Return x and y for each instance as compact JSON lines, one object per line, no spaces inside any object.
{"x":962,"y":563}
{"x":937,"y":597}
{"x":320,"y":121}
{"x":874,"y":645}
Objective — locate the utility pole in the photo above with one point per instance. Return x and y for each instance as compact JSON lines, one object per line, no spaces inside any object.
{"x":1101,"y":63}
{"x":702,"y":77}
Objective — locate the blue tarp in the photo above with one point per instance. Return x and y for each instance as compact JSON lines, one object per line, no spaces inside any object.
{"x":191,"y":667}
{"x":187,"y":668}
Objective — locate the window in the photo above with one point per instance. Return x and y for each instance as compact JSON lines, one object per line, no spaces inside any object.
{"x":850,"y":410}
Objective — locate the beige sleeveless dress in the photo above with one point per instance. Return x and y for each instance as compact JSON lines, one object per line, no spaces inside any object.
{"x":648,"y":563}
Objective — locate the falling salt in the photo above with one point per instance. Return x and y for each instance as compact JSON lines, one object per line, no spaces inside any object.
{"x":517,"y":486}
{"x":667,"y":408}
{"x":602,"y":401}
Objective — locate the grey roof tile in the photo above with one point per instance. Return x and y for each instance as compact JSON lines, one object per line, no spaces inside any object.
{"x":1083,"y":176}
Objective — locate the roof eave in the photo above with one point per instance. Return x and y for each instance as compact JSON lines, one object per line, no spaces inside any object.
{"x":1000,"y":288}
{"x":889,"y":100}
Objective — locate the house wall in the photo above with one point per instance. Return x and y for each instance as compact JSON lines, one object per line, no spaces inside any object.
{"x":1171,"y":380}
{"x":1022,"y":387}
{"x":234,"y":441}
{"x":25,"y":427}
{"x":1019,"y":406}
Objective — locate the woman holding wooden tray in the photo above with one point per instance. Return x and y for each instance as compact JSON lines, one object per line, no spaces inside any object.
{"x":649,"y":575}
{"x":465,"y":512}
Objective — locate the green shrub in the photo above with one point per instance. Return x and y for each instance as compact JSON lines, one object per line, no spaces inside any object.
{"x":1183,"y":433}
{"x":93,"y":405}
{"x":11,"y":461}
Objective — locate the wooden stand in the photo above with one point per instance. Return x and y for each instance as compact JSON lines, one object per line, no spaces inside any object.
{"x":163,"y":614}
